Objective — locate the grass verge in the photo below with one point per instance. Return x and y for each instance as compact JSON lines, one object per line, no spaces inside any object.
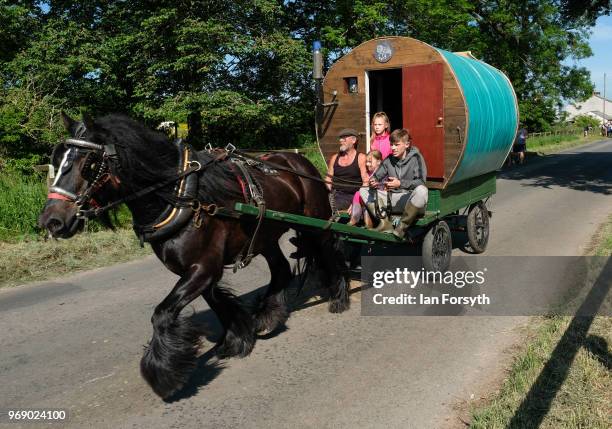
{"x":602,"y":242}
{"x":21,"y":200}
{"x":562,"y":376}
{"x":579,"y":399}
{"x":28,"y":261}
{"x":552,"y":144}
{"x":314,"y":155}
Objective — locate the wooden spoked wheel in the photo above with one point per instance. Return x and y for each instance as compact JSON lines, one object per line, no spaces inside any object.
{"x":478,"y":227}
{"x":437,"y":248}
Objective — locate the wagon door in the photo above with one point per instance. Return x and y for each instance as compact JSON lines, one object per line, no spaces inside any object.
{"x":423,"y":113}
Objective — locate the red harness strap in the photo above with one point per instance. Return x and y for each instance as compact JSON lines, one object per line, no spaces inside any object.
{"x":240,"y":182}
{"x":56,"y":196}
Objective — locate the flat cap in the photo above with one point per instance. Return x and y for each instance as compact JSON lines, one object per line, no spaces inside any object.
{"x":348,"y":132}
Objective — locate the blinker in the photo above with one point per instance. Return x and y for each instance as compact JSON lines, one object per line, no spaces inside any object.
{"x":91,"y":166}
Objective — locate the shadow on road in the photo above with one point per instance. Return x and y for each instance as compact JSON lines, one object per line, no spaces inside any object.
{"x":208,"y":367}
{"x":539,"y":399}
{"x":584,"y":171}
{"x":204,"y":373}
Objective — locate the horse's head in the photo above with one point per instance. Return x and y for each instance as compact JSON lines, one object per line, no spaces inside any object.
{"x":83,"y":180}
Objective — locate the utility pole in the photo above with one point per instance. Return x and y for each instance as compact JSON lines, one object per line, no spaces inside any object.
{"x":604,"y":99}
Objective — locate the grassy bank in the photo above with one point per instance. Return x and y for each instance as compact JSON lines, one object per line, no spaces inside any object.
{"x":314,"y":155}
{"x":602,"y":242}
{"x":561,"y":377}
{"x":26,"y":261}
{"x":21,"y":200}
{"x":541,"y":388}
{"x":550,"y":144}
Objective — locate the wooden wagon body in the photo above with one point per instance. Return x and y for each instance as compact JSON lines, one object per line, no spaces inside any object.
{"x":461,"y":112}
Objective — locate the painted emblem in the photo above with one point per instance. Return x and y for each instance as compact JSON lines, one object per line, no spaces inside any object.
{"x":383,"y":52}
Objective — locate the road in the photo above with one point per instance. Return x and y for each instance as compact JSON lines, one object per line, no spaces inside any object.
{"x":76,"y":343}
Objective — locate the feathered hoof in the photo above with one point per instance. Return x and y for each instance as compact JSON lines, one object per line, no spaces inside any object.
{"x":235,"y":346}
{"x":339,"y":305}
{"x":270,"y":316}
{"x":170,"y":358}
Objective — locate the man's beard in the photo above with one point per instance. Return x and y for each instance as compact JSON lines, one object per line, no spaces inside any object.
{"x":344,"y":148}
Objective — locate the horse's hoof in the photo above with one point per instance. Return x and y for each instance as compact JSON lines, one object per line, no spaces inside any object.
{"x":164,"y":382}
{"x":170,"y":357}
{"x":234,"y":346}
{"x":270,"y":316}
{"x":265,"y":332}
{"x":338,"y":305}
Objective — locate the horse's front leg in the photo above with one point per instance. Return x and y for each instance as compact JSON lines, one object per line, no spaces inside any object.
{"x":171,"y":354}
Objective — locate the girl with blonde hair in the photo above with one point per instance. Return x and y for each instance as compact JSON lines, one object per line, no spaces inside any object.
{"x":381,"y":129}
{"x":373,"y":161}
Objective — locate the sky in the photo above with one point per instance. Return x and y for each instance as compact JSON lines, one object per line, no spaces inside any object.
{"x":601,"y":61}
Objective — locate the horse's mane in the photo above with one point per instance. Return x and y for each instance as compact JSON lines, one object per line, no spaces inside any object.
{"x":147,"y":157}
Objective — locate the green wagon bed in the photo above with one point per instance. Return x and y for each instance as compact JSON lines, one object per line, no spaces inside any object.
{"x":442,"y":203}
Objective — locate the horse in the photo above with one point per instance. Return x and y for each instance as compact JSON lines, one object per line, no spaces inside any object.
{"x":174,"y":195}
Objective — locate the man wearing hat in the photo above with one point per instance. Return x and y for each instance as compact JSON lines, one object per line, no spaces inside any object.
{"x":346,"y":170}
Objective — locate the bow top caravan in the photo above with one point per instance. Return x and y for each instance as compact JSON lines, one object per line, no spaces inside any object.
{"x":461,"y":112}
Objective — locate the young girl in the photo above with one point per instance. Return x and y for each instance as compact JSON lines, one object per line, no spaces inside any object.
{"x":381,"y":128}
{"x":373,"y":161}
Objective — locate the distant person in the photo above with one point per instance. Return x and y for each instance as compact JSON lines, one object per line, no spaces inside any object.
{"x":586,"y":130}
{"x":609,"y":133}
{"x":381,"y":129}
{"x":349,"y":166}
{"x":520,"y":144}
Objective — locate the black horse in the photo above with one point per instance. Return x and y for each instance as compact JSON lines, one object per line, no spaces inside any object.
{"x":115,"y":158}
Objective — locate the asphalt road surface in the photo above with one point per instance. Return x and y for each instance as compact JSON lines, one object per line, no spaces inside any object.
{"x":76,"y":343}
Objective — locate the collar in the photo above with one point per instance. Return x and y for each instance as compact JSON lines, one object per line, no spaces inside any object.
{"x":175,"y":216}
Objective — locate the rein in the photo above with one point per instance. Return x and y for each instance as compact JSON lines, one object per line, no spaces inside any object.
{"x":110,"y":152}
{"x":102,"y":175}
{"x":99,"y":210}
{"x":97,"y":171}
{"x":290,"y":170}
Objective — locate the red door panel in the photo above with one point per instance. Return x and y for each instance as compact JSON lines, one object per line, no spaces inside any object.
{"x":423,"y":109}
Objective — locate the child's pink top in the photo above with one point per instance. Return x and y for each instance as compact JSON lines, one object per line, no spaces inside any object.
{"x":382,"y":144}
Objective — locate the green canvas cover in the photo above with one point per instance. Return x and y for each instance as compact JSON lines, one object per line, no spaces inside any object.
{"x":492,"y":115}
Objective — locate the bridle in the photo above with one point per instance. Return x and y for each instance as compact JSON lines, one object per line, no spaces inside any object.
{"x":95,"y":170}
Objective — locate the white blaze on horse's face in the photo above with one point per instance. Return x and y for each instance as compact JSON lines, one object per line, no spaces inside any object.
{"x":59,"y":215}
{"x":62,"y":166}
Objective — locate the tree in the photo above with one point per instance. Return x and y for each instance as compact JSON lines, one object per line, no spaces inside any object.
{"x":242,"y":69}
{"x":582,"y":121}
{"x":532,"y":39}
{"x":527,"y":39}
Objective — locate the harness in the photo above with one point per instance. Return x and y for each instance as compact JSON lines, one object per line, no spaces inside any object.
{"x":253,"y":193}
{"x":186,"y":202}
{"x":97,"y":171}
